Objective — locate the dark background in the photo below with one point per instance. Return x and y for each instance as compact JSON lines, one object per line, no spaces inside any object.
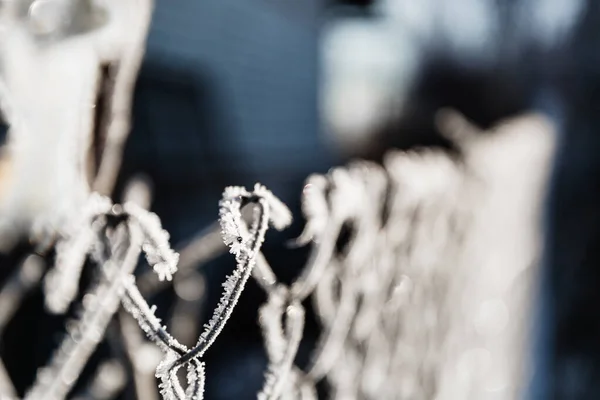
{"x":227,"y":95}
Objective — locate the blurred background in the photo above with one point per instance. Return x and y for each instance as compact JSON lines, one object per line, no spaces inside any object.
{"x":233,"y":92}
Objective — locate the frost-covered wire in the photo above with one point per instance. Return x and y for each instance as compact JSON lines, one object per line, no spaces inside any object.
{"x":389,"y":260}
{"x":244,"y":247}
{"x":244,"y":244}
{"x":79,"y":237}
{"x":281,"y":345}
{"x":166,"y":371}
{"x":131,"y":48}
{"x":156,"y":245}
{"x":55,"y":380}
{"x":417,"y":272}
